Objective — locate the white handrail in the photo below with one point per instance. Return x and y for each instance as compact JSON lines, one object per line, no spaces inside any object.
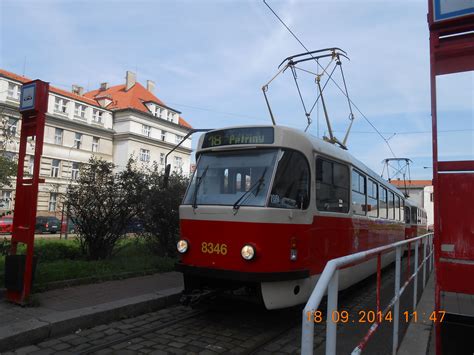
{"x":329,"y":278}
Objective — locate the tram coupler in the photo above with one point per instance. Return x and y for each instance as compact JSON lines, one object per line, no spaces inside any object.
{"x":197,"y":296}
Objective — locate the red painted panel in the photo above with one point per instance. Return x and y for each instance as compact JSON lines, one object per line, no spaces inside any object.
{"x":460,"y":165}
{"x":456,"y":211}
{"x":325,"y":239}
{"x":456,"y":277}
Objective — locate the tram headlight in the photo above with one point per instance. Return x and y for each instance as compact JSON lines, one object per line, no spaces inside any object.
{"x":182,"y":246}
{"x":247,"y":252}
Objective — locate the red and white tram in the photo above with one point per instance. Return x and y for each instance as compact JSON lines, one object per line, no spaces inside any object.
{"x":268,"y":207}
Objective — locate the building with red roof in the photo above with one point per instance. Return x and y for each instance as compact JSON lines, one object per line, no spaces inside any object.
{"x":112,"y":123}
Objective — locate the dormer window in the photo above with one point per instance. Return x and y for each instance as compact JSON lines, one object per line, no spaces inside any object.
{"x":60,"y":105}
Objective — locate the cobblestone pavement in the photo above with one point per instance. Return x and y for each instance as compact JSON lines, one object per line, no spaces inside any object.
{"x":78,"y":297}
{"x":232,"y":327}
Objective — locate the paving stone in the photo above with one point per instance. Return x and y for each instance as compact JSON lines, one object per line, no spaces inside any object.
{"x":26,"y":350}
{"x":134,"y":347}
{"x":159,"y":352}
{"x":176,"y":344}
{"x":61,"y":346}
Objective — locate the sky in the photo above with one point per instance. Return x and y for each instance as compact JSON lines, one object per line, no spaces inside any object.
{"x":210,"y":58}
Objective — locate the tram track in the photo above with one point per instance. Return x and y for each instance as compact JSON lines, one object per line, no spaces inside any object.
{"x":222,"y":326}
{"x":139,"y":333}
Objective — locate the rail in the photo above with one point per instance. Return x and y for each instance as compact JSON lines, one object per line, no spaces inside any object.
{"x":329,"y":280}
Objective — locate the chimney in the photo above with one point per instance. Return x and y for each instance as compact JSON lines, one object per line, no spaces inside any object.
{"x":130,"y":80}
{"x":78,"y":90}
{"x":150,"y":86}
{"x":103,"y":86}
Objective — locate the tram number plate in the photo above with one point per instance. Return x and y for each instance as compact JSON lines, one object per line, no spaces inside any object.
{"x":211,"y":248}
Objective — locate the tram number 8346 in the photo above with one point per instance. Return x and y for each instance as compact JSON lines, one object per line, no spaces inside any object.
{"x":211,"y":248}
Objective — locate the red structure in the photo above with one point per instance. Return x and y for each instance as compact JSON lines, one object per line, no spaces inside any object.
{"x":452,"y":51}
{"x":33,"y":106}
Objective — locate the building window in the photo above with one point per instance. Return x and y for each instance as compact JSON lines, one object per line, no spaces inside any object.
{"x":6,"y":201}
{"x":12,"y":126}
{"x":178,"y":164}
{"x":95,"y":144}
{"x":162,"y":158}
{"x":332,"y":186}
{"x":78,"y":140}
{"x":161,"y":112}
{"x":179,"y":138}
{"x":75,"y":171}
{"x":53,"y":197}
{"x":431,"y":197}
{"x":170,"y":116}
{"x":14,"y":91}
{"x":146,"y":130}
{"x":58,"y":136}
{"x":97,"y":116}
{"x":60,"y":105}
{"x":80,"y":111}
{"x":55,"y":168}
{"x":163,"y":136}
{"x":145,"y":155}
{"x":358,"y":193}
{"x":31,"y":164}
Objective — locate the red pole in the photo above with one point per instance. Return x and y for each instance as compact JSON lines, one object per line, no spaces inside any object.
{"x":33,"y":106}
{"x":379,"y":272}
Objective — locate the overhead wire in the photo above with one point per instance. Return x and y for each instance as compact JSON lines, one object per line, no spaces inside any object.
{"x":337,"y":85}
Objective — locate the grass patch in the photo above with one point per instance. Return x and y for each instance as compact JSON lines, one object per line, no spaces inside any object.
{"x":61,"y":260}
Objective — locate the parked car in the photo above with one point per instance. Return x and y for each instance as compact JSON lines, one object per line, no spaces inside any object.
{"x":47,"y":225}
{"x":6,"y":224}
{"x":69,"y":224}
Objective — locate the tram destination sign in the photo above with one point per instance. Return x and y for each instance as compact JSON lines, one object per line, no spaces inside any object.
{"x":235,"y":136}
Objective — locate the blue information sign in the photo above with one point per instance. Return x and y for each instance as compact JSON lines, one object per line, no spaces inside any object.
{"x":27,"y":98}
{"x":449,"y":9}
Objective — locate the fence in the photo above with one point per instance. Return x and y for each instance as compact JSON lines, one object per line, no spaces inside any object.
{"x":329,"y":281}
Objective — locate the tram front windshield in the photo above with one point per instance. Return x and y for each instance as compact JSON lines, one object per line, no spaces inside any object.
{"x":222,"y":178}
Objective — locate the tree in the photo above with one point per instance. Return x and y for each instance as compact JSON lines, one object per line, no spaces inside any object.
{"x":8,"y":164}
{"x":102,"y":204}
{"x":160,"y":211}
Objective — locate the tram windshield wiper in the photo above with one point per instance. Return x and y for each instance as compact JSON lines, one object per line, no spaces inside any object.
{"x":199,"y":180}
{"x":258,"y":184}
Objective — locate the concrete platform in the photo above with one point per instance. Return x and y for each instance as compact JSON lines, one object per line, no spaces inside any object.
{"x":67,"y":310}
{"x":417,"y":337}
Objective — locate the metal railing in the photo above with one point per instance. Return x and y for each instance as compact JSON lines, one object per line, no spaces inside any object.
{"x":330,"y":280}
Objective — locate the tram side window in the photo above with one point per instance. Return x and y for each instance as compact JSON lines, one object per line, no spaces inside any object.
{"x":358,"y":193}
{"x":372,"y":198}
{"x":332,"y":186}
{"x":383,"y":202}
{"x":291,"y":186}
{"x":397,"y":208}
{"x":407,"y":215}
{"x":391,"y":205}
{"x":414,"y":217}
{"x":402,"y":210}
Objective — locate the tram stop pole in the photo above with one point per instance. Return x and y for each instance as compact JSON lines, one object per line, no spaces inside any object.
{"x":19,"y":269}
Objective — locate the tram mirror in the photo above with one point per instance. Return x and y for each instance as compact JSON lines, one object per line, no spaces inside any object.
{"x":167,"y":175}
